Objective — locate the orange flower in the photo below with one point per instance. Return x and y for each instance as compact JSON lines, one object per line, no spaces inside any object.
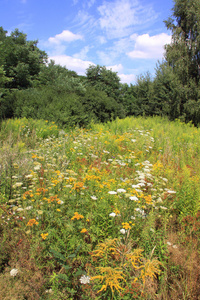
{"x":31,"y":222}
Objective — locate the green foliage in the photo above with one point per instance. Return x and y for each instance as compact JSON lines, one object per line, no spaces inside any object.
{"x":104,"y":80}
{"x":21,"y":59}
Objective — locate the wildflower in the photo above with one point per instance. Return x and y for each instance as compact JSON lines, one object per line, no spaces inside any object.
{"x":84,"y":279}
{"x":14,"y":272}
{"x":163,"y":207}
{"x":37,"y":167}
{"x":123,"y":231}
{"x":121,"y":191}
{"x":112,"y":192}
{"x":93,"y":197}
{"x":171,"y":192}
{"x":17,"y":184}
{"x":112,"y":214}
{"x":60,"y":202}
{"x":83,"y":230}
{"x":134,"y":198}
{"x":77,"y":216}
{"x":31,"y":222}
{"x":19,"y":209}
{"x":44,"y":235}
{"x":29,"y":207}
{"x":126,"y":225}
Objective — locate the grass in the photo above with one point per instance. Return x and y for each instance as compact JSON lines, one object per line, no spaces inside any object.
{"x":107,"y":212}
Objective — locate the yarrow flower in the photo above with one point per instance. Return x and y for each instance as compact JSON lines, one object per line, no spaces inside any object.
{"x":121,"y":191}
{"x":14,"y":272}
{"x":93,"y":197}
{"x":84,"y":279}
{"x":112,"y":214}
{"x":112,"y":192}
{"x":123,"y":231}
{"x":134,"y":198}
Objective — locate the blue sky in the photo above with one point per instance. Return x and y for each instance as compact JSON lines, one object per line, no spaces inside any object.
{"x":126,"y":36}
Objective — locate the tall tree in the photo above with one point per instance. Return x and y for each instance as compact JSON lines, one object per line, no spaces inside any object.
{"x":182,"y":63}
{"x":104,"y":80}
{"x":21,"y":59}
{"x":183,"y":54}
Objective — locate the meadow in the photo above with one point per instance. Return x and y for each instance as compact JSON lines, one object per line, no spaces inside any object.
{"x":111,"y":211}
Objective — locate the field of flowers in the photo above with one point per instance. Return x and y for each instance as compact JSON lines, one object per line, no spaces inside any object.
{"x":107,"y":212}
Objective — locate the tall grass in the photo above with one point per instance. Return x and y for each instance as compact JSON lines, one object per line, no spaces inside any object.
{"x":107,"y":212}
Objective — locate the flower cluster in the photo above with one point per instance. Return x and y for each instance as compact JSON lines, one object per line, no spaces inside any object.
{"x":77,"y":216}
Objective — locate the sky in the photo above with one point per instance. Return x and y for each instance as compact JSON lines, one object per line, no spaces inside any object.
{"x":126,"y":36}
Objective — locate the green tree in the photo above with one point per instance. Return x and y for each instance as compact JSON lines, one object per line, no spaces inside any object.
{"x":104,"y":80}
{"x":182,"y":56}
{"x":21,"y":59}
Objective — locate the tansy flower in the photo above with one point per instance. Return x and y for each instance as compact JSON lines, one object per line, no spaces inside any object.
{"x":31,"y":222}
{"x":44,"y":235}
{"x":83,"y":230}
{"x":77,"y":216}
{"x":126,"y":225}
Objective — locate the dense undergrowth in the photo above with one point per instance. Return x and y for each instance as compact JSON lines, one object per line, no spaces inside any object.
{"x":107,"y":212}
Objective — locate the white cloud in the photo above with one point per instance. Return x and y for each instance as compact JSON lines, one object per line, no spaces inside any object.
{"x":65,"y":36}
{"x":83,"y":53}
{"x":115,"y":68}
{"x":71,"y":63}
{"x":147,"y":47}
{"x":118,"y":18}
{"x":127,"y":78}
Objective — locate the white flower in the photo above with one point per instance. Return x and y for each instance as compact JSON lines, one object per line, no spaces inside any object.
{"x":169,"y":244}
{"x":37,"y":167}
{"x":112,"y":214}
{"x":14,"y":272}
{"x":93,"y":197}
{"x":123,"y":231}
{"x":134,"y":198}
{"x":19,"y":209}
{"x":29,"y":207}
{"x":121,"y":191}
{"x":171,"y":192}
{"x":85,"y":279}
{"x":112,"y":192}
{"x":163,"y":207}
{"x":134,"y":186}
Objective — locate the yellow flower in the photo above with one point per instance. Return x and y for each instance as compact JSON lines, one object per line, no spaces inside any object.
{"x":58,"y":209}
{"x":44,"y":235}
{"x":83,"y":230}
{"x":77,"y":216}
{"x":126,"y":225}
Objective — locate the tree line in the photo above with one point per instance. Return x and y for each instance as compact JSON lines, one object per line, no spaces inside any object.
{"x":33,"y":88}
